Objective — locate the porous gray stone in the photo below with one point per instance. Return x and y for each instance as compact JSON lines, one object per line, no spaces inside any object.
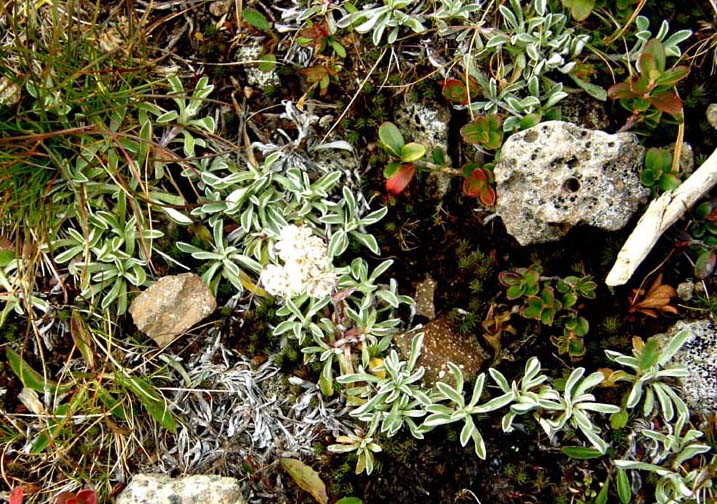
{"x":699,"y":356}
{"x":172,"y":305}
{"x":427,"y":125}
{"x":198,"y":489}
{"x":556,"y":175}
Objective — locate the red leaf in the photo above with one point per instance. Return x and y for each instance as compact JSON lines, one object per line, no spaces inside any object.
{"x":398,"y":182}
{"x":16,"y":496}
{"x":667,"y":102}
{"x":487,"y":197}
{"x":86,"y":496}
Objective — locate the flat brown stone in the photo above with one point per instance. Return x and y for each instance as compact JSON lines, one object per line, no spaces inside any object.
{"x":442,"y":343}
{"x":172,"y":305}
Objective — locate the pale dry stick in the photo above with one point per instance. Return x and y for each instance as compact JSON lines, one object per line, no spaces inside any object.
{"x":660,"y":215}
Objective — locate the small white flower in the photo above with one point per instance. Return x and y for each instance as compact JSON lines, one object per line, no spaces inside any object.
{"x":307,"y":268}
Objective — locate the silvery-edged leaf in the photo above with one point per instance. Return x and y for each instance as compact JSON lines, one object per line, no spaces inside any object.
{"x":336,"y":144}
{"x":367,"y":240}
{"x":499,"y":379}
{"x":673,"y":346}
{"x":450,"y":393}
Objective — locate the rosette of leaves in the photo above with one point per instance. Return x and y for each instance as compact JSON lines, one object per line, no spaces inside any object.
{"x":486,"y":131}
{"x":458,"y":410}
{"x":400,"y":170}
{"x":650,"y":377}
{"x":479,"y":181}
{"x":462,"y":91}
{"x":651,"y":92}
{"x":657,"y":173}
{"x":679,"y":481}
{"x":573,"y":408}
{"x":521,"y":282}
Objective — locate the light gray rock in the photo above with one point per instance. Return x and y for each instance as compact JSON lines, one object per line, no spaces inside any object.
{"x":699,"y":356}
{"x":172,"y":305}
{"x":199,"y":489}
{"x":556,"y":175}
{"x":428,"y":126}
{"x":711,"y":114}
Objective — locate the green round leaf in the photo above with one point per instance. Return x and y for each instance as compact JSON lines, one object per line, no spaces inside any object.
{"x":412,"y":152}
{"x":391,"y":138}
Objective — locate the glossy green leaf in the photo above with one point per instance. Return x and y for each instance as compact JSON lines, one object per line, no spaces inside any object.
{"x":412,"y":152}
{"x":391,"y":138}
{"x":581,"y":9}
{"x":658,"y":160}
{"x":256,"y":19}
{"x":619,"y":420}
{"x":6,"y":255}
{"x":604,"y":493}
{"x":307,"y":479}
{"x":624,"y":491}
{"x":267,"y":63}
{"x":581,"y":452}
{"x":705,"y":264}
{"x":28,"y":376}
{"x":152,"y":401}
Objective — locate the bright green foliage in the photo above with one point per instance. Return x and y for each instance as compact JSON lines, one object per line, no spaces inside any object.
{"x":400,"y":170}
{"x":552,"y":301}
{"x":657,"y":172}
{"x":521,"y":281}
{"x":484,"y":130}
{"x":652,"y":91}
{"x":703,"y":228}
{"x":579,"y":9}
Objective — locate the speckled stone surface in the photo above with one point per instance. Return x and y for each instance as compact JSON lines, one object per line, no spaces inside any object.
{"x":198,"y":489}
{"x":172,"y":305}
{"x":442,"y":343}
{"x":699,"y":356}
{"x":556,"y":175}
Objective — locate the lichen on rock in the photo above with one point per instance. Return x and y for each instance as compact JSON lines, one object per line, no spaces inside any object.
{"x":699,"y":356}
{"x":556,"y":175}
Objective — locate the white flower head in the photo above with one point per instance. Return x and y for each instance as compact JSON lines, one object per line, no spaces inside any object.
{"x":307,"y":267}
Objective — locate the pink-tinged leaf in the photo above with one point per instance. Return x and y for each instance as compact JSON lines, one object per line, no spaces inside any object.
{"x":455,"y":91}
{"x":619,"y":91}
{"x":705,"y":264}
{"x":477,"y":185}
{"x":16,"y":496}
{"x":398,"y":182}
{"x":672,"y":76}
{"x":488,"y":196}
{"x":667,"y":102}
{"x":86,"y":496}
{"x":652,"y":57}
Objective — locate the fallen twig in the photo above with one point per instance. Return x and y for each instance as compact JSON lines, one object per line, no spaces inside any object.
{"x":660,"y":215}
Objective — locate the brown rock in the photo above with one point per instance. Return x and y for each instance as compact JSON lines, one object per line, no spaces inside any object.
{"x":172,"y":305}
{"x":442,"y":343}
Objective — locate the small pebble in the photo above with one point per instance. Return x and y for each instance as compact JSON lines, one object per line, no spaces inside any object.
{"x":712,"y":115}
